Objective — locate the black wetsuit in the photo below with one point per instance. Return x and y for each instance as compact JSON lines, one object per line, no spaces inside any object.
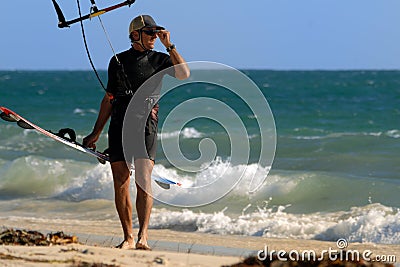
{"x":123,"y":84}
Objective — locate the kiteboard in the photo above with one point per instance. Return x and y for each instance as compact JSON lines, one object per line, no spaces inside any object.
{"x":11,"y":116}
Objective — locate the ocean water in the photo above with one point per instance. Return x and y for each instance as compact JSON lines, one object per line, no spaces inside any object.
{"x":335,"y":173}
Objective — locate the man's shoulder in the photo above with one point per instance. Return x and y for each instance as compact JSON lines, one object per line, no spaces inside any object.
{"x":124,"y":53}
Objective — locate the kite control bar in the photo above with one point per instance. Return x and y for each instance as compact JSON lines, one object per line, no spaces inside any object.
{"x":63,"y":23}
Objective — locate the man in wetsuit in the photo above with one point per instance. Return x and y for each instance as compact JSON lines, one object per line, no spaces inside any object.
{"x":126,"y":73}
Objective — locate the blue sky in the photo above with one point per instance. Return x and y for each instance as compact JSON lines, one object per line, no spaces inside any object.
{"x":254,"y":34}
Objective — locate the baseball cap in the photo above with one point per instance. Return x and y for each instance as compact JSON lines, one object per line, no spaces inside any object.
{"x":143,"y":21}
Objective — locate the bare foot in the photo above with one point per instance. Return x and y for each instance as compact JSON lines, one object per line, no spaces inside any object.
{"x":126,"y":245}
{"x":141,"y":244}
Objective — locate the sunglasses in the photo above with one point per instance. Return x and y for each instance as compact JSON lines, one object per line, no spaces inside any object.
{"x":151,"y":32}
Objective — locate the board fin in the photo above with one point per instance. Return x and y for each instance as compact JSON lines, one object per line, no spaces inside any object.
{"x":8,"y":117}
{"x":163,"y":185}
{"x":23,"y":124}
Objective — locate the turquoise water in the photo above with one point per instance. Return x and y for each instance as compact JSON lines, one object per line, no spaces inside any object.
{"x":336,"y":161}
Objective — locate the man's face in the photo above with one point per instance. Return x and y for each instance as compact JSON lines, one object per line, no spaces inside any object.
{"x":149,"y":36}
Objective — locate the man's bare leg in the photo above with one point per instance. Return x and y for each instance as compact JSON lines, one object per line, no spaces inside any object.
{"x":144,"y":199}
{"x":123,"y":203}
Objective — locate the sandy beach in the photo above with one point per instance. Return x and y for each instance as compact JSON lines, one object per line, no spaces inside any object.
{"x":170,"y":248}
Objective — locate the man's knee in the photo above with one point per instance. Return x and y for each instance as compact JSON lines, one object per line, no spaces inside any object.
{"x":121,"y":173}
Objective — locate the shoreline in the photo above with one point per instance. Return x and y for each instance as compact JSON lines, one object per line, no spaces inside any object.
{"x":170,"y":248}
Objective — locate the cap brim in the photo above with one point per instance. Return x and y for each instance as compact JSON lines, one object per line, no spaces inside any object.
{"x":157,"y":27}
